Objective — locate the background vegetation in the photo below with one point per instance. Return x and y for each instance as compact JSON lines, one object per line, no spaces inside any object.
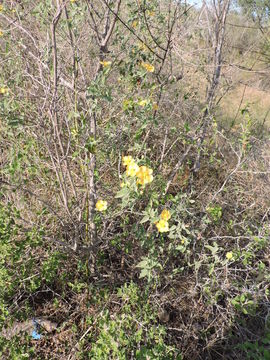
{"x":134,"y":198}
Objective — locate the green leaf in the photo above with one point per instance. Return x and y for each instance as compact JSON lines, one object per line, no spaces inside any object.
{"x":242,"y":298}
{"x":142,"y":264}
{"x":144,"y":273}
{"x":214,"y":249}
{"x":145,"y":219}
{"x":122,"y":193}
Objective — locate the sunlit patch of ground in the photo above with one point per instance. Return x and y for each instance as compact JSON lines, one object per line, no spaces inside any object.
{"x":257,"y":101}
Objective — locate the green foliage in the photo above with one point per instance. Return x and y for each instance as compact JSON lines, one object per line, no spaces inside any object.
{"x":244,"y":303}
{"x":131,"y":331}
{"x":20,"y":270}
{"x":148,"y":266}
{"x":257,"y":350}
{"x":141,"y":94}
{"x":8,"y":230}
{"x":16,"y":348}
{"x":215,"y":212}
{"x":258,"y":9}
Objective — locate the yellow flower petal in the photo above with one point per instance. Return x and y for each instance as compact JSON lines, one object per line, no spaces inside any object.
{"x":127,"y":160}
{"x":148,"y":67}
{"x":3,"y":90}
{"x":165,"y":215}
{"x":162,"y":226}
{"x":101,"y":205}
{"x":144,"y":175}
{"x":132,"y":169}
{"x":106,"y":63}
{"x":229,"y":255}
{"x":142,"y":46}
{"x":143,"y":103}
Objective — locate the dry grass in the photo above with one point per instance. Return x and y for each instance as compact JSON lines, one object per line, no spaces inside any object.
{"x":257,"y":100}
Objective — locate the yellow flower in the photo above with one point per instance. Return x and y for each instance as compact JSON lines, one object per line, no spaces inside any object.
{"x":143,"y":103}
{"x":155,"y":106}
{"x":162,"y":225}
{"x":106,"y":63}
{"x":132,"y":169}
{"x":1,"y":33}
{"x":134,"y":23}
{"x":72,"y":1}
{"x":3,"y":90}
{"x":229,"y":255}
{"x":123,"y":184}
{"x":142,"y":46}
{"x":1,"y":7}
{"x":127,"y":160}
{"x":101,"y":205}
{"x":144,"y":175}
{"x":165,"y":215}
{"x":148,"y":67}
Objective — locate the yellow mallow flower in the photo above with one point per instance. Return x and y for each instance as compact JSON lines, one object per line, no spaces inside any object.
{"x":124,"y":184}
{"x":148,"y":67}
{"x":132,"y":169}
{"x":150,"y":13}
{"x":3,"y":90}
{"x":144,"y":175}
{"x":101,"y":205}
{"x":127,"y":160}
{"x":162,"y":225}
{"x":142,"y":46}
{"x":143,"y":103}
{"x":229,"y":255}
{"x":165,"y":215}
{"x":106,"y":63}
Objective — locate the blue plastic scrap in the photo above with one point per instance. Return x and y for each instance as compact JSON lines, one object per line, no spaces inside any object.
{"x":35,"y":335}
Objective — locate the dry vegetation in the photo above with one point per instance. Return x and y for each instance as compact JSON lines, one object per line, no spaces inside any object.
{"x":84,"y":83}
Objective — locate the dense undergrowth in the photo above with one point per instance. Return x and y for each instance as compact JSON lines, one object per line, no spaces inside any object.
{"x":162,"y":255}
